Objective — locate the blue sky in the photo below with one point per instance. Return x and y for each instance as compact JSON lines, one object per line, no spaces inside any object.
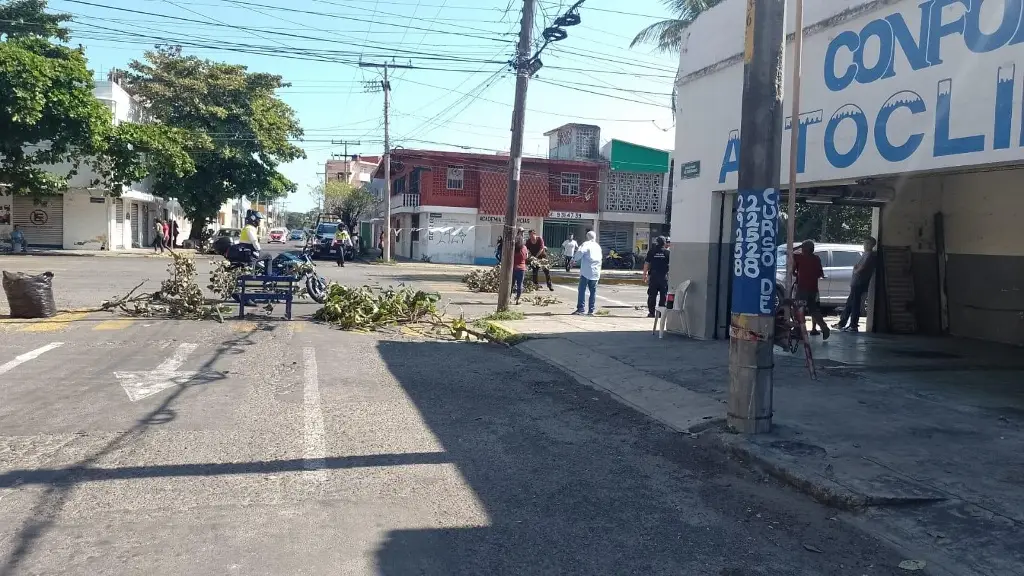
{"x":316,"y":45}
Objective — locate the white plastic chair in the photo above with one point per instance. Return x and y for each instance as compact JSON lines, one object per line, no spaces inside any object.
{"x":678,"y":307}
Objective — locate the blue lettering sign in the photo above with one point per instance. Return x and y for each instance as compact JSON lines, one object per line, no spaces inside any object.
{"x":980,"y":42}
{"x":897,"y":153}
{"x":1004,"y":106}
{"x":860,"y":122}
{"x":731,"y":161}
{"x":754,"y":262}
{"x":939,"y":30}
{"x":806,"y":119}
{"x":944,"y":145}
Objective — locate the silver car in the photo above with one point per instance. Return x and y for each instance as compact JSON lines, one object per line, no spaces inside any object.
{"x":838,"y":261}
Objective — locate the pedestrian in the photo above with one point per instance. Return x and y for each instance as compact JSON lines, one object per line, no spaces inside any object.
{"x":535,"y":245}
{"x":342,"y":239}
{"x":569,"y":248}
{"x":167,"y":235}
{"x":174,"y":233}
{"x":808,"y":270}
{"x":520,"y":255}
{"x":589,"y":258}
{"x":18,"y":243}
{"x":380,"y":243}
{"x":849,"y":320}
{"x":158,"y":235}
{"x":656,"y":274}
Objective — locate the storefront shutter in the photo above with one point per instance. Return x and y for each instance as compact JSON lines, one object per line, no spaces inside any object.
{"x":41,"y":219}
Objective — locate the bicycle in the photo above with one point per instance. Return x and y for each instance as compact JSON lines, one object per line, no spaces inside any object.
{"x":791,"y":327}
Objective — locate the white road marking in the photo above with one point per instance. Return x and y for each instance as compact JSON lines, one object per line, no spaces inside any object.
{"x":599,"y":297}
{"x":314,"y":459}
{"x":143,"y":384}
{"x":31,"y":355}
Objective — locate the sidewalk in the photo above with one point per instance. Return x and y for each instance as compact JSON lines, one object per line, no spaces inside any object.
{"x":557,"y":276}
{"x":129,"y":253}
{"x":921,"y":440}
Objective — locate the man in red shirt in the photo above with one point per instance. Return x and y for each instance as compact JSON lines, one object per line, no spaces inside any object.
{"x":519,"y":257}
{"x":538,"y":250}
{"x":807,"y":269}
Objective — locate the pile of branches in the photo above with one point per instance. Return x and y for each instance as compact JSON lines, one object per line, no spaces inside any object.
{"x":180,"y":296}
{"x":367,"y":308}
{"x":487,"y":281}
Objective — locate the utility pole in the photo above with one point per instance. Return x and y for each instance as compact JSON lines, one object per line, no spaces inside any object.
{"x":348,"y":159}
{"x":752,"y":329}
{"x":386,"y":87}
{"x":515,"y":160}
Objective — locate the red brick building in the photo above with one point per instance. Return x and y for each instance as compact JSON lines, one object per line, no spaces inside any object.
{"x":449,"y":206}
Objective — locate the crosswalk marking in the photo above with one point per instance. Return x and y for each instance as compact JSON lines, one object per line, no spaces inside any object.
{"x":115,"y":324}
{"x":30,"y":355}
{"x":55,"y":323}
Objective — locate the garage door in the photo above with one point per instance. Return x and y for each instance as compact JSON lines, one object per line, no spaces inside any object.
{"x":134,"y":213}
{"x":118,"y":224}
{"x":41,"y":219}
{"x":616,"y":236}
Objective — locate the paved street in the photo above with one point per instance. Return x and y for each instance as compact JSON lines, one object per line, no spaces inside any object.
{"x":271,"y":447}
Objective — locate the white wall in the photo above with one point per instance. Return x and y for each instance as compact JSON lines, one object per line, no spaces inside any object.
{"x":86,"y":224}
{"x":449,"y":238}
{"x":488,"y":235}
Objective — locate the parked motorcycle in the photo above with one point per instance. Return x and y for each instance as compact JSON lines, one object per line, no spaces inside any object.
{"x":296,"y":263}
{"x":619,"y":261}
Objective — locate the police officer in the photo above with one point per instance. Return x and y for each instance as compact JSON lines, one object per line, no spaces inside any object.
{"x":656,"y":274}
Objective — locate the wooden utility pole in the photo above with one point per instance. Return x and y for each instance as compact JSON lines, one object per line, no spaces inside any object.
{"x":752,"y":329}
{"x":515,"y":160}
{"x":386,"y":159}
{"x":794,"y":145}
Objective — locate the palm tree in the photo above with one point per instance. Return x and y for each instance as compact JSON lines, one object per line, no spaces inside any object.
{"x":667,"y":35}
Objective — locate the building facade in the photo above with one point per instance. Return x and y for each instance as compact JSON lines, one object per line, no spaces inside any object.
{"x":449,"y":206}
{"x":85,"y":217}
{"x":912,"y":108}
{"x":633,"y":196}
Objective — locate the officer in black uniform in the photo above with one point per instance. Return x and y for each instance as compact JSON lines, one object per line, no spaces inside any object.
{"x":656,"y":274}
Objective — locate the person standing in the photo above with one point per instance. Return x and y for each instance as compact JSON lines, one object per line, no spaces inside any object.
{"x":519,"y":257}
{"x":380,"y":243}
{"x":656,"y":274}
{"x":808,"y":270}
{"x":167,"y":235}
{"x":174,"y":233}
{"x":569,"y":248}
{"x":849,"y":320}
{"x":158,"y":235}
{"x":535,"y":245}
{"x":18,"y":243}
{"x":589,"y":258}
{"x":342,"y":239}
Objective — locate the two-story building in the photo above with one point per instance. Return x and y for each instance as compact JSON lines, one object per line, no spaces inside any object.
{"x":449,"y":206}
{"x":633,"y":196}
{"x":85,"y":217}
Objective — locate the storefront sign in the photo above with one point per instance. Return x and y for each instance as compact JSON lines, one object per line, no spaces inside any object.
{"x":38,"y":217}
{"x":754,"y":262}
{"x":501,"y":220}
{"x":560,"y":215}
{"x":690,"y":170}
{"x":929,"y":85}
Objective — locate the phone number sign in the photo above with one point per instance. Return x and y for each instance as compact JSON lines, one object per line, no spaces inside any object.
{"x":754,"y":254}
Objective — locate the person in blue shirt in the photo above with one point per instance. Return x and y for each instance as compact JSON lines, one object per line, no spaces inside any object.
{"x":18,"y":240}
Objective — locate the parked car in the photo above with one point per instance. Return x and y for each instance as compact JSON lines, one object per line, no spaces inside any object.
{"x":277,"y":235}
{"x":297,"y":235}
{"x":838,"y":261}
{"x":326,"y":247}
{"x":224,"y":239}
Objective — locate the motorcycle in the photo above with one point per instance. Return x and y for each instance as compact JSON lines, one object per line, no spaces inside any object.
{"x":295,"y":263}
{"x":617,"y":261}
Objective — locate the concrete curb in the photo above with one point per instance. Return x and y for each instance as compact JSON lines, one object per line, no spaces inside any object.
{"x":104,"y":254}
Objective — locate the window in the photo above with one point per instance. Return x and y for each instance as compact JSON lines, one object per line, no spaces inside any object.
{"x":414,"y":181}
{"x":400,"y":186}
{"x":570,"y":184}
{"x":340,"y":176}
{"x":455,"y":177}
{"x":415,"y":228}
{"x":845,"y":259}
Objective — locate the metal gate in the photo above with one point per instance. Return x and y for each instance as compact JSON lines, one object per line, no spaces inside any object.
{"x":41,"y":219}
{"x":616,"y":236}
{"x":556,"y":232}
{"x":118,"y":242}
{"x":136,"y":239}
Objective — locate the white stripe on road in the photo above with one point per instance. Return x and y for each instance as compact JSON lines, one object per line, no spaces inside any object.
{"x":314,"y":457}
{"x":19,"y":360}
{"x":599,"y":297}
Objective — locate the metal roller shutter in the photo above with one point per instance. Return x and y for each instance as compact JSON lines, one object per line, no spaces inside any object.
{"x":616,"y":236}
{"x":118,"y":224}
{"x":136,"y":239}
{"x":41,"y":219}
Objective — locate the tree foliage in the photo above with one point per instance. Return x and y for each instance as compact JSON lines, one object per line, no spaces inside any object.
{"x":347,"y":202}
{"x":831,"y":223}
{"x":50,"y":122}
{"x":240,"y":130}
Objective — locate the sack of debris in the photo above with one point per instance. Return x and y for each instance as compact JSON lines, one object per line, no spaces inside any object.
{"x":30,"y":296}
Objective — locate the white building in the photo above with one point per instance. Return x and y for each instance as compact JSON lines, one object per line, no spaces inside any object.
{"x":911,"y":107}
{"x":84,"y":217}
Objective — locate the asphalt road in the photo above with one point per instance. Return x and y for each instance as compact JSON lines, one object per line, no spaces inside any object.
{"x":267,"y":447}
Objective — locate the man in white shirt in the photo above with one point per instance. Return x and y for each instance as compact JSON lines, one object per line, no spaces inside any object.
{"x":589,"y":257}
{"x":569,"y":248}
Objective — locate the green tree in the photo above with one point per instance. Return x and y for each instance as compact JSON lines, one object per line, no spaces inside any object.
{"x":50,"y":122}
{"x":250,"y":129}
{"x":667,"y":35}
{"x":831,"y":223}
{"x":346,"y":202}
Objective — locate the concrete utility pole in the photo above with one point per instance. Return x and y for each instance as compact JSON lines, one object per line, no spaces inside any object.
{"x":515,"y":160}
{"x":752,"y":327}
{"x":386,"y":87}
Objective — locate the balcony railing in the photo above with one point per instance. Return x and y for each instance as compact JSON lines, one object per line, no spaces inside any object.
{"x":405,"y":200}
